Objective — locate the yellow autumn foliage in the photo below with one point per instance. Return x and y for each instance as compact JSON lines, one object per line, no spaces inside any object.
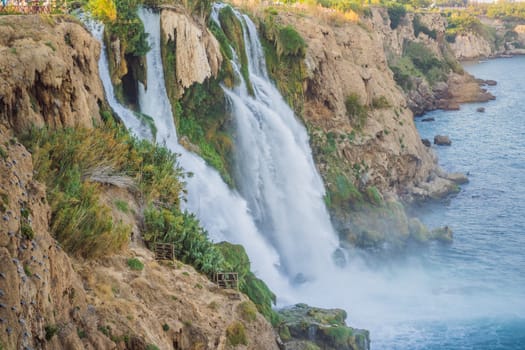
{"x":104,"y":10}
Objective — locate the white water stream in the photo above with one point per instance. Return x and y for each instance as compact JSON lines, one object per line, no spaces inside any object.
{"x":281,"y":220}
{"x":275,"y":168}
{"x":222,"y":212}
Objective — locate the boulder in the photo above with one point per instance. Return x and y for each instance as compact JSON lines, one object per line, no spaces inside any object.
{"x":426,"y":142}
{"x":430,"y":119}
{"x":303,"y":326}
{"x":442,"y":140}
{"x":480,"y":109}
{"x":457,"y":178}
{"x":442,"y":234}
{"x":491,"y":82}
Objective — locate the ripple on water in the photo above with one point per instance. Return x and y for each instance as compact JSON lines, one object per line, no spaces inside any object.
{"x":483,"y":271}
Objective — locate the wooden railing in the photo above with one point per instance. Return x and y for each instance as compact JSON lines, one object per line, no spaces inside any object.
{"x":229,"y":280}
{"x":164,"y":251}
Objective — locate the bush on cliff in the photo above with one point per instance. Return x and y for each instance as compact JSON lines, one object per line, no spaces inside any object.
{"x":396,"y":13}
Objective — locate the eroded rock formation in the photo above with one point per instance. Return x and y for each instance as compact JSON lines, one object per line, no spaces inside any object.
{"x":48,"y":73}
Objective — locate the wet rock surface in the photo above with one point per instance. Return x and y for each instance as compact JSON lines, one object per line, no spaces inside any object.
{"x":306,"y":327}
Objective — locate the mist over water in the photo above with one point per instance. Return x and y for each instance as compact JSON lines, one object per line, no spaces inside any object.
{"x":469,"y":295}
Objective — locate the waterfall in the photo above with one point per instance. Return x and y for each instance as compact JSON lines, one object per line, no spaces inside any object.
{"x":128,"y":117}
{"x":275,"y":169}
{"x":223,"y":213}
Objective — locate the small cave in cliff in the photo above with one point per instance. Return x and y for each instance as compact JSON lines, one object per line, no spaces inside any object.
{"x":130,"y":81}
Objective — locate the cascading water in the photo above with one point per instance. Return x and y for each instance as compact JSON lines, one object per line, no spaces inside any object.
{"x":416,"y":303}
{"x":222,"y":212}
{"x":275,"y":169}
{"x":128,"y":117}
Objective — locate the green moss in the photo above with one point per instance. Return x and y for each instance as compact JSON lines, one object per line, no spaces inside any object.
{"x":284,"y":50}
{"x":234,"y":33}
{"x":284,"y":333}
{"x":135,"y":264}
{"x":237,"y":260}
{"x":203,"y":119}
{"x":290,"y":43}
{"x":236,"y":334}
{"x":200,"y":110}
{"x":341,"y":336}
{"x":121,"y":205}
{"x":373,"y":195}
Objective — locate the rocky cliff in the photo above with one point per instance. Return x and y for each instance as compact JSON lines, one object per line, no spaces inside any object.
{"x":48,"y":73}
{"x":197,"y":52}
{"x":51,"y":300}
{"x":468,"y":46}
{"x":362,"y":131}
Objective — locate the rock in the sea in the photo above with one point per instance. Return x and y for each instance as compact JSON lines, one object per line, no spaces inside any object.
{"x":426,"y":142}
{"x":442,"y":140}
{"x":491,"y":82}
{"x":430,"y":119}
{"x":306,"y":327}
{"x":457,"y":178}
{"x":480,"y":109}
{"x":442,"y":234}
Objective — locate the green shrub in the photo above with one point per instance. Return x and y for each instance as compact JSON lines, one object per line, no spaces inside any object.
{"x":190,"y":240}
{"x":248,"y":311}
{"x":356,"y":112}
{"x":50,"y":330}
{"x":236,"y":334}
{"x":74,"y":163}
{"x":396,"y":12}
{"x":3,"y":153}
{"x":135,"y":264}
{"x":129,"y":28}
{"x":421,"y":28}
{"x":380,"y":102}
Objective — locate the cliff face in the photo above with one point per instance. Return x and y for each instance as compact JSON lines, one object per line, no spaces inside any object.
{"x":54,"y":301}
{"x":48,"y":73}
{"x":469,"y":46}
{"x":349,"y":59}
{"x":197,"y":52}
